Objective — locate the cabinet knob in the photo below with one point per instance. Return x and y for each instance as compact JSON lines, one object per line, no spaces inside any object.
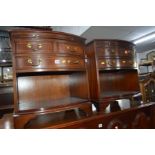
{"x":68,"y":47}
{"x":40,"y":46}
{"x":123,"y":61}
{"x":29,"y":45}
{"x":116,"y":127}
{"x":100,"y":125}
{"x":102,"y":63}
{"x":126,"y":52}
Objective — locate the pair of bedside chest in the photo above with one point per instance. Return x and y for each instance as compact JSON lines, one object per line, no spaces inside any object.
{"x":58,"y":78}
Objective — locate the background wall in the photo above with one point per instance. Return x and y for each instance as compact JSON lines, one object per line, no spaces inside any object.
{"x":143,"y":55}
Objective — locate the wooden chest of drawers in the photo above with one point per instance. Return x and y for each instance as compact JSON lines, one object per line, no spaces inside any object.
{"x":112,"y":71}
{"x":115,"y":54}
{"x":49,"y":74}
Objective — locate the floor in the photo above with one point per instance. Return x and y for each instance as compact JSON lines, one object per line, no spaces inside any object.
{"x":6,"y":122}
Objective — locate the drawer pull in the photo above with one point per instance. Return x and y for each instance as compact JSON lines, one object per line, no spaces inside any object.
{"x":68,"y":61}
{"x":29,"y":45}
{"x":40,"y":46}
{"x":123,"y":61}
{"x":116,"y":127}
{"x":34,"y":49}
{"x":102,"y":63}
{"x":76,"y":62}
{"x":100,"y":125}
{"x":31,"y":62}
{"x":63,"y":61}
{"x":126,"y":52}
{"x":68,"y":47}
{"x":35,"y":35}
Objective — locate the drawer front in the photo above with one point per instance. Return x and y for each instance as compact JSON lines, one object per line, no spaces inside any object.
{"x":31,"y":34}
{"x":115,"y":63}
{"x":124,"y":52}
{"x":33,"y":46}
{"x":114,"y":52}
{"x":126,"y":63}
{"x":107,"y":52}
{"x":114,"y":43}
{"x":69,"y":48}
{"x":49,"y":62}
{"x":41,"y":35}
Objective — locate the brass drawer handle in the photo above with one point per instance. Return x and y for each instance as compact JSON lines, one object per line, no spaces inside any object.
{"x":123,"y":61}
{"x":63,"y":61}
{"x":126,"y":52}
{"x":116,"y":127}
{"x":40,"y":46}
{"x":68,"y":47}
{"x":76,"y":62}
{"x":35,"y":35}
{"x":29,"y":60}
{"x":102,"y":63}
{"x":29,"y":45}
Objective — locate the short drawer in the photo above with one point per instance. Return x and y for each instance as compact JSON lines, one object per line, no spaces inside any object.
{"x":107,"y":52}
{"x":115,"y":63}
{"x":125,"y":52}
{"x":33,"y":46}
{"x":49,"y":62}
{"x":69,"y":48}
{"x":126,"y":63}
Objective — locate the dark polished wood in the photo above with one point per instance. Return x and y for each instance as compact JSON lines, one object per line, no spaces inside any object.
{"x":139,"y":117}
{"x":112,"y":71}
{"x":50,"y":74}
{"x":48,"y":62}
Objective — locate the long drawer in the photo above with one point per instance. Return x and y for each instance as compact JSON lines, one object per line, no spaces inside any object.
{"x":47,"y":61}
{"x":114,"y":52}
{"x":115,"y":63}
